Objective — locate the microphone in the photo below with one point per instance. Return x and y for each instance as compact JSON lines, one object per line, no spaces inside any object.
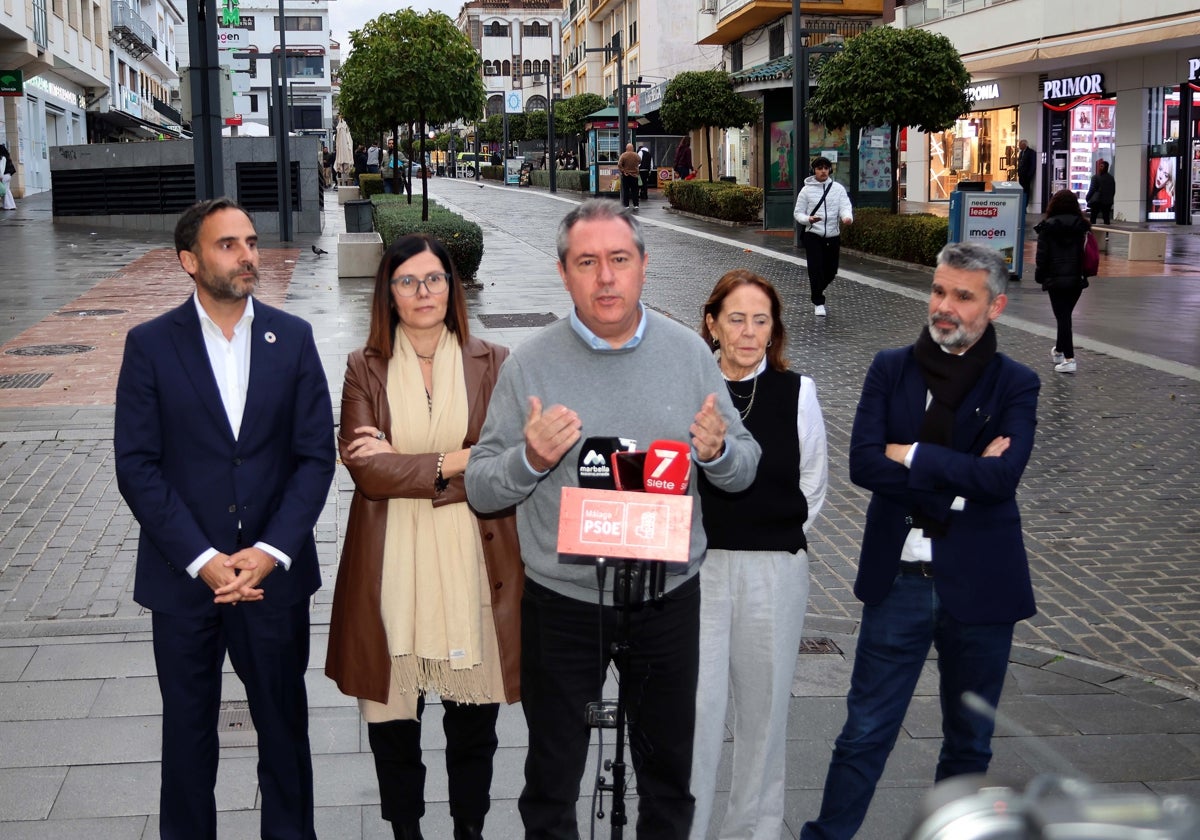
{"x":668,"y":467}
{"x":595,"y":459}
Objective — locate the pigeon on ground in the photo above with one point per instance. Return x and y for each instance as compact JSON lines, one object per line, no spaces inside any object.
{"x":319,"y":251}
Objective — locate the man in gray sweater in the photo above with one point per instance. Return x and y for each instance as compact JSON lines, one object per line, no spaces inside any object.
{"x":613,"y":369}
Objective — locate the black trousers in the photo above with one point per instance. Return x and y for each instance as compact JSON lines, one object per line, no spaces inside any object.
{"x":566,"y":648}
{"x":645,"y":176}
{"x":629,"y":190}
{"x":822,"y":254}
{"x":268,"y":648}
{"x":1102,"y":212}
{"x":1062,"y":302}
{"x":470,"y":746}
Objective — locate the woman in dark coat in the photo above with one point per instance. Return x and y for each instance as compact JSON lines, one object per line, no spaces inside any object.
{"x":1059,"y":268}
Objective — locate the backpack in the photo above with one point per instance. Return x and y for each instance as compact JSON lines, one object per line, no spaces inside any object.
{"x":1090,"y":262}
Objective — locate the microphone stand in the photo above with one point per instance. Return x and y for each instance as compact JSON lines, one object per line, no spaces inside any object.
{"x":630,"y":574}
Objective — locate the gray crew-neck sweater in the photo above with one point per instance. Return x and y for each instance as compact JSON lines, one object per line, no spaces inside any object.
{"x":650,"y":392}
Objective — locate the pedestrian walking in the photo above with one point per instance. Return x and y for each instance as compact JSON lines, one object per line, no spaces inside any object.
{"x":7,"y":170}
{"x":823,"y":207}
{"x":1059,"y":269}
{"x":645,"y":170}
{"x":683,"y":158}
{"x":1026,"y":170}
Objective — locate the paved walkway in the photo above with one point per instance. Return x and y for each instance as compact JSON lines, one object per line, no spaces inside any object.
{"x":1102,"y":684}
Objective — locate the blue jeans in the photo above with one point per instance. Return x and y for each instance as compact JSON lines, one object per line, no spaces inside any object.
{"x":892,"y":646}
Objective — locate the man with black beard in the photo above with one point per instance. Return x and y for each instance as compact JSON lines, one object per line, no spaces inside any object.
{"x":942,"y":434}
{"x":225,"y":452}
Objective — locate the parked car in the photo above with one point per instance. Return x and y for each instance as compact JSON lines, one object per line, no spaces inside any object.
{"x":467,"y":161}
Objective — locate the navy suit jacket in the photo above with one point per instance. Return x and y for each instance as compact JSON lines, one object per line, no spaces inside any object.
{"x":981,"y":572}
{"x":191,"y":484}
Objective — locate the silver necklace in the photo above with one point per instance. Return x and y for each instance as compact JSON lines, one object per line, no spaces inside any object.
{"x":735,"y":396}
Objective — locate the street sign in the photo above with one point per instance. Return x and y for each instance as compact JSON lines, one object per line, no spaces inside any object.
{"x":12,"y":83}
{"x":236,"y":119}
{"x":513,"y":103}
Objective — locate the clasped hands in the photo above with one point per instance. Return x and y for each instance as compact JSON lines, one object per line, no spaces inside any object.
{"x":550,"y":433}
{"x":236,"y":577}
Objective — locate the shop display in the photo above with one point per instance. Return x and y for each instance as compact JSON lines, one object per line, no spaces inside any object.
{"x":1093,"y":133}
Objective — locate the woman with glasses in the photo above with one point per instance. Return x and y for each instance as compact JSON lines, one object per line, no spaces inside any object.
{"x":428,"y":593}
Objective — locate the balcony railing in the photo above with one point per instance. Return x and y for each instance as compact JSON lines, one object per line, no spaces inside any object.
{"x":928,"y":11}
{"x":130,"y":32}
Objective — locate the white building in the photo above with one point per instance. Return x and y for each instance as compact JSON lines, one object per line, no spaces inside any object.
{"x":60,"y":48}
{"x":309,"y":65}
{"x":520,"y":44}
{"x":144,"y":73}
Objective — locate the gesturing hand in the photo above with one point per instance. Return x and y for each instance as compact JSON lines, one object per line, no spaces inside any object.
{"x":708,"y":431}
{"x":549,"y":434}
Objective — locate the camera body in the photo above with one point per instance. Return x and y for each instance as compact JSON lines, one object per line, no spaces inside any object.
{"x":1051,"y":808}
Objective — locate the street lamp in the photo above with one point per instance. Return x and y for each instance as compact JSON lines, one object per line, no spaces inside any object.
{"x":549,"y":128}
{"x":800,"y":85}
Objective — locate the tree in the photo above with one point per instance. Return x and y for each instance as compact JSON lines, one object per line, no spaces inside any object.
{"x":892,"y":77}
{"x":570,"y":113}
{"x":705,"y":99}
{"x":406,"y":67}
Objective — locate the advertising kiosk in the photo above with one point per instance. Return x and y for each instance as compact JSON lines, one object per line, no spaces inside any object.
{"x":994,"y":218}
{"x":603,"y":148}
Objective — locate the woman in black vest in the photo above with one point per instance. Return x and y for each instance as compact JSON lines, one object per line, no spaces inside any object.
{"x":754,"y":581}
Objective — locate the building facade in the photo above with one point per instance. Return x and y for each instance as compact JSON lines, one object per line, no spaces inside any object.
{"x":310,"y":66}
{"x":143,"y":70}
{"x":519,"y":42}
{"x":1117,"y":80}
{"x":60,"y":48}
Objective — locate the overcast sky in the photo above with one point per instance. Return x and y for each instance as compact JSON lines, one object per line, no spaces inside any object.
{"x":346,"y":15}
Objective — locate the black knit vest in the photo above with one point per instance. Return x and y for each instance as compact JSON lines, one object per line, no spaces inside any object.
{"x":769,"y":515}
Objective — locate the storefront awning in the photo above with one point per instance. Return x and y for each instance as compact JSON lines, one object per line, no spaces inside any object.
{"x":1096,"y":45}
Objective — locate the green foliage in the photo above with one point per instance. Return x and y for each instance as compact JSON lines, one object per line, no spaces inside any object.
{"x":571,"y":180}
{"x":570,"y":113}
{"x":705,"y":99}
{"x":913,"y":238}
{"x":537,"y":125}
{"x":406,"y":67}
{"x":720,"y":200}
{"x":889,"y":76}
{"x":492,"y":173}
{"x":394,"y":218}
{"x":370,"y":184}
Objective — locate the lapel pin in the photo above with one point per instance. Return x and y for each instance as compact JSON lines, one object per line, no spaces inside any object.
{"x":270,"y":337}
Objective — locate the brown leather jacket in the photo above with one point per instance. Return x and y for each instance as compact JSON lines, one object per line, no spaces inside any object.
{"x":358,"y":659}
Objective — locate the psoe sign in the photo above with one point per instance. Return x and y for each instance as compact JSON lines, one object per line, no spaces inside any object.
{"x":1093,"y":83}
{"x":1193,"y":69}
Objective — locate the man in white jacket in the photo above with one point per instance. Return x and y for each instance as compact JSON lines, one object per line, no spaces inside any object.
{"x":823,"y":206}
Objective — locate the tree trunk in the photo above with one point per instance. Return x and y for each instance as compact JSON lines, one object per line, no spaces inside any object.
{"x":708,"y":152}
{"x":424,"y":174}
{"x":895,"y":162}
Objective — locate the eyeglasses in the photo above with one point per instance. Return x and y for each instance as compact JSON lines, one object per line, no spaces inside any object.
{"x":436,"y":283}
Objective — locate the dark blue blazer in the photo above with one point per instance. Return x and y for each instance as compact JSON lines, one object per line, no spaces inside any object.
{"x":187,"y":479}
{"x":981,"y":572}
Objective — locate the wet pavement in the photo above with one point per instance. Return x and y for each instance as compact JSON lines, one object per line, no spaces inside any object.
{"x":1103,"y":682}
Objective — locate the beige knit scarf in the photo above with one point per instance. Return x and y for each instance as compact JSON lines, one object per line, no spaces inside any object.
{"x":432,"y":556}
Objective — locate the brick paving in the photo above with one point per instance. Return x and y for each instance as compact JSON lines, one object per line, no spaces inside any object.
{"x":1109,"y":504}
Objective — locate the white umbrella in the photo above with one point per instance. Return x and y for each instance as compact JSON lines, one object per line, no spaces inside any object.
{"x":343,"y":150}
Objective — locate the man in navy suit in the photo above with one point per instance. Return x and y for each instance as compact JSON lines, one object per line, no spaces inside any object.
{"x":225,"y":454}
{"x":943,"y":432}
